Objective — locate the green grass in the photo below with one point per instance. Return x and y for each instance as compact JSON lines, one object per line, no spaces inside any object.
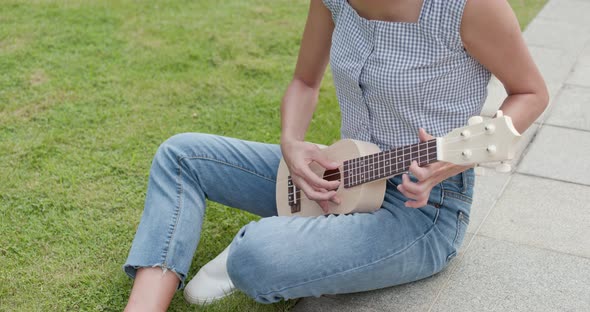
{"x":88,"y":90}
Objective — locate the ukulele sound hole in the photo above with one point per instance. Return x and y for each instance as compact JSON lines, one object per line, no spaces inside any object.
{"x":332,"y":175}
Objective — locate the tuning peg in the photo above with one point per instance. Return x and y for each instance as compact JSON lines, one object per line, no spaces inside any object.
{"x":475,"y":120}
{"x":491,"y":149}
{"x":479,"y":171}
{"x":466,"y":154}
{"x":499,"y":114}
{"x":503,"y":167}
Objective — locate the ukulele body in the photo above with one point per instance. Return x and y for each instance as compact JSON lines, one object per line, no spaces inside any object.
{"x":366,"y":197}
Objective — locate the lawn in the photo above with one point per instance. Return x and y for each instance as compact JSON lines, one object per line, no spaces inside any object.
{"x":89,"y":89}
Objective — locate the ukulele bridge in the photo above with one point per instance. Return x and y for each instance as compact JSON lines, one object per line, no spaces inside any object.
{"x":294,"y":196}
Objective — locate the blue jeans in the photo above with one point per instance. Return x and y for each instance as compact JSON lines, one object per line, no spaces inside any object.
{"x":290,"y":257}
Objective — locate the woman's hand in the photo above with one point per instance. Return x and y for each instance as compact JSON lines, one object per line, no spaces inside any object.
{"x":428,"y":176}
{"x":298,"y":155}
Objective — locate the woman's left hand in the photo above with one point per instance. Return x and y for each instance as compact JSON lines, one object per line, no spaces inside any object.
{"x":428,"y":176}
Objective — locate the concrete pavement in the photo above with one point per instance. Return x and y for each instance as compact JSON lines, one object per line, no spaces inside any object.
{"x":528,"y":242}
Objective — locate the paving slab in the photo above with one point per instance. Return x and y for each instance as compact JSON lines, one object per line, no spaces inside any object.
{"x":571,"y":108}
{"x":503,"y":276}
{"x":488,"y":189}
{"x":550,"y":33}
{"x":560,"y":154}
{"x":570,"y":11}
{"x":326,"y":304}
{"x":543,"y":213}
{"x":555,"y":64}
{"x":581,"y":72}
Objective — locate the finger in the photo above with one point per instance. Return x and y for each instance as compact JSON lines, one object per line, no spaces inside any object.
{"x":414,"y":188}
{"x":405,"y":192}
{"x":412,"y":202}
{"x":421,"y":173}
{"x":413,"y":191}
{"x":416,"y":204}
{"x":336,"y":200}
{"x":325,"y":162}
{"x":418,"y":196}
{"x":313,"y":194}
{"x":424,"y":136}
{"x":313,"y":179}
{"x":324,"y":205}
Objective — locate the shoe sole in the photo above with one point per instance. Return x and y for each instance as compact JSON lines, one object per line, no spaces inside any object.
{"x":205,"y":301}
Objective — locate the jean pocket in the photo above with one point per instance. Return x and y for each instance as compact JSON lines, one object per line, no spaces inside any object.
{"x":461,"y":197}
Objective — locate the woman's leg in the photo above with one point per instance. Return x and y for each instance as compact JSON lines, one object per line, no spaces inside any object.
{"x":187,"y":169}
{"x":152,"y":290}
{"x":289,"y":257}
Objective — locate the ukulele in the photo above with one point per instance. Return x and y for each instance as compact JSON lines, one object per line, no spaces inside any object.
{"x":365,"y":168}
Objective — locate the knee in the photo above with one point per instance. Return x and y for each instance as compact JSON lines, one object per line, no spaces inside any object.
{"x":178,"y":143}
{"x":181,"y":144}
{"x":252,"y":266}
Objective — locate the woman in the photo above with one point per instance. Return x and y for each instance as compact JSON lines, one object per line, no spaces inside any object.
{"x":399,"y":66}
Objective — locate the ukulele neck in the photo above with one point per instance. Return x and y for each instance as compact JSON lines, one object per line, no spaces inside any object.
{"x":387,"y":164}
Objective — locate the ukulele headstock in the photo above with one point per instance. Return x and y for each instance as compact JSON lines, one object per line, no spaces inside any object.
{"x":481,"y":141}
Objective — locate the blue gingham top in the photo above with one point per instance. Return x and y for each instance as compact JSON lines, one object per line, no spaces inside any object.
{"x":393,"y":77}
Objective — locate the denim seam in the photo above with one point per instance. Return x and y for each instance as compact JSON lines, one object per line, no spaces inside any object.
{"x":179,"y":182}
{"x":229,"y":164}
{"x":436,"y":216}
{"x":459,"y":196}
{"x":442,"y":195}
{"x":355,"y":268}
{"x":459,"y":217}
{"x":176,"y":217}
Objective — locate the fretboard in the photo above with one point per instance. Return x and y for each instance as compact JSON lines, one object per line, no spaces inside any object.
{"x":388,"y":163}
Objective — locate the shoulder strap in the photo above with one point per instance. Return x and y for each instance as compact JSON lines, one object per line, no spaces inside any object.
{"x":335,"y":6}
{"x":443,"y":18}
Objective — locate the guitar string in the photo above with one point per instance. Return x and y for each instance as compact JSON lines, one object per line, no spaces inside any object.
{"x":403,"y":149}
{"x":298,"y":190}
{"x":381,"y":162}
{"x":409,"y":147}
{"x":368,"y":164}
{"x":394,"y":174}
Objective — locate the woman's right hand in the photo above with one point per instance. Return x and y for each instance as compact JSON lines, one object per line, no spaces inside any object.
{"x":298,"y":155}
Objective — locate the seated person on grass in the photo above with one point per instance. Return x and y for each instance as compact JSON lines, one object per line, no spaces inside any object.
{"x":403,"y":70}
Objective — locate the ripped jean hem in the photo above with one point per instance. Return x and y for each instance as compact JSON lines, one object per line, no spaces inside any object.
{"x":131,"y":271}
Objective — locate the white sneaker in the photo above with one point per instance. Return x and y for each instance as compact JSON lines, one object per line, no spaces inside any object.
{"x":211,"y":282}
